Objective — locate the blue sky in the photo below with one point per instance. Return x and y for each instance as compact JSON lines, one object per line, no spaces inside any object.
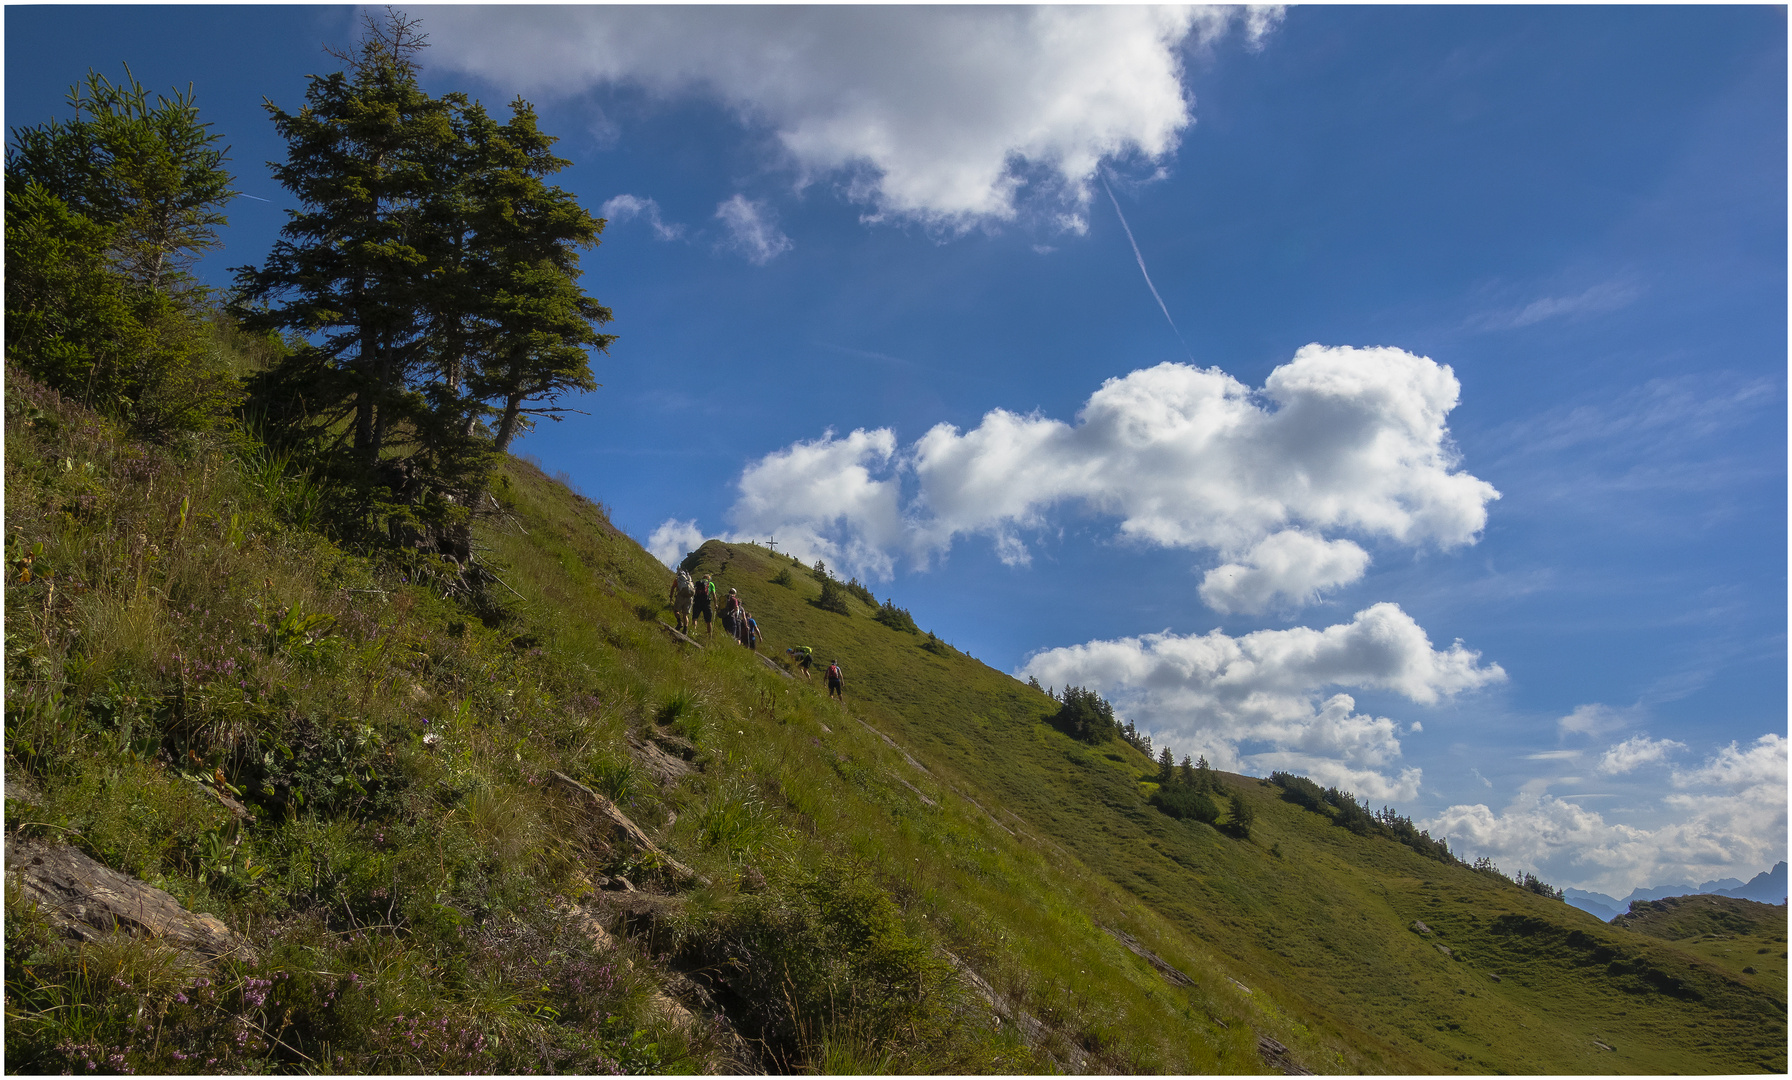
{"x":1414,"y":258}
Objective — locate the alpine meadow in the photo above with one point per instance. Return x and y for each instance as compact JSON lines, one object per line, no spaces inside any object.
{"x":348,"y":732}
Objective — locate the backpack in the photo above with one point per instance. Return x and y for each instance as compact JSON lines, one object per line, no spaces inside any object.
{"x":685,"y":585}
{"x":834,"y":672}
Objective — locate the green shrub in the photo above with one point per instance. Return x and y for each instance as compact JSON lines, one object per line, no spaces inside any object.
{"x":782,"y":577}
{"x":828,"y":972}
{"x":1300,"y":791}
{"x":833,"y":597}
{"x":1180,"y":801}
{"x":1085,"y":715}
{"x":896,"y":618}
{"x":861,"y":592}
{"x":1241,"y":815}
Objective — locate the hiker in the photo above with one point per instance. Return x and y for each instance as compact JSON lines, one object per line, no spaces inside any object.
{"x":752,"y":633}
{"x":733,"y":610}
{"x":836,"y":682}
{"x":706,"y":604}
{"x":804,"y":657}
{"x":684,"y":592}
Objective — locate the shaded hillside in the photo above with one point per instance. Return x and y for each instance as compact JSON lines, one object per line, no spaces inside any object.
{"x":1744,"y":938}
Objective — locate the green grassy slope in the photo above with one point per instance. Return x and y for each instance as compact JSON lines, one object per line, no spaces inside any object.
{"x":1324,"y":927}
{"x":1742,"y":937}
{"x":873,"y":874}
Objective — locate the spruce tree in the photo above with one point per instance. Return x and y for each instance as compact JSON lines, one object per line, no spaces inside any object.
{"x":153,"y":174}
{"x":105,"y":213}
{"x":538,"y":324}
{"x":366,"y":155}
{"x":432,"y":273}
{"x":1166,"y":766}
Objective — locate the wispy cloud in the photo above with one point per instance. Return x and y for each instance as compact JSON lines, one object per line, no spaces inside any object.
{"x":1599,"y":299}
{"x":623,"y":208}
{"x":751,"y":230}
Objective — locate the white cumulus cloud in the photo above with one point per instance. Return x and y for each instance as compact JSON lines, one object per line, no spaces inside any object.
{"x":1215,"y":692}
{"x":751,"y":230}
{"x":805,"y":493}
{"x":673,"y":540}
{"x":1338,"y":439}
{"x":1634,"y":752}
{"x":1289,"y":568}
{"x":937,"y":114}
{"x":1728,"y":817}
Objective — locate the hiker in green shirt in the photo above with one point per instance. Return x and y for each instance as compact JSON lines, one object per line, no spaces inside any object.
{"x":804,"y":657}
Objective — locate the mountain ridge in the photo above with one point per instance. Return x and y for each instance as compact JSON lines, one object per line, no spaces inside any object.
{"x":1767,"y":887}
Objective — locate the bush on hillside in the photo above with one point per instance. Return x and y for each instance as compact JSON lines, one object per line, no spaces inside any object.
{"x":1242,"y":817}
{"x":896,"y":618}
{"x":1356,"y":817}
{"x":1183,"y":802}
{"x":832,"y":598}
{"x":1085,"y":715}
{"x":1532,"y":883}
{"x":782,"y":577}
{"x":1300,"y":791}
{"x":861,"y":592}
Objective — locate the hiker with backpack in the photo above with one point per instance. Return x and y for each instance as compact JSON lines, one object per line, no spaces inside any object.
{"x":733,"y":612}
{"x":804,"y":657}
{"x":706,"y":604}
{"x":683,"y":594}
{"x":836,"y":682}
{"x":752,"y":633}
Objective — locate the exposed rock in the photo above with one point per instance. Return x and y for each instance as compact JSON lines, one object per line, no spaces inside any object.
{"x":906,"y":756}
{"x":21,"y":788}
{"x":925,"y":801}
{"x":1419,"y":927}
{"x":673,"y":630}
{"x":1276,"y":1056}
{"x":1445,"y":949}
{"x":666,"y":768}
{"x":84,"y":900}
{"x":1175,"y":977}
{"x":620,"y":828}
{"x":1495,"y":978}
{"x":236,"y":808}
{"x":1032,"y":1031}
{"x":680,"y":747}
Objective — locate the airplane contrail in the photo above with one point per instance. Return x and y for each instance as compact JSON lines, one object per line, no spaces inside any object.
{"x":1142,"y":270}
